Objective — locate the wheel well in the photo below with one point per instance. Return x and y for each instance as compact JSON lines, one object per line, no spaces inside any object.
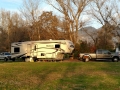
{"x":115,"y":60}
{"x":86,"y":56}
{"x":34,"y":58}
{"x":116,"y":57}
{"x":5,"y":57}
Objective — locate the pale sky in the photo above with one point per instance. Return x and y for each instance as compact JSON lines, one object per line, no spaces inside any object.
{"x":14,"y":5}
{"x":11,"y":5}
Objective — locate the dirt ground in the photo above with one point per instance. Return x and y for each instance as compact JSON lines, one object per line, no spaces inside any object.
{"x":71,"y":60}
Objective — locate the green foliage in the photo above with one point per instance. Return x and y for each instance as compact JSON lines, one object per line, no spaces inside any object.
{"x":66,"y":56}
{"x":85,"y":47}
{"x":82,"y":47}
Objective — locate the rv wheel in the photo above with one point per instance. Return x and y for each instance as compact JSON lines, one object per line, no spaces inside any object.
{"x":13,"y":59}
{"x":5,"y":59}
{"x":34,"y":59}
{"x":23,"y":58}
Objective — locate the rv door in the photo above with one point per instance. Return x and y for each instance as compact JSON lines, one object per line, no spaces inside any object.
{"x":34,"y":50}
{"x":28,"y":49}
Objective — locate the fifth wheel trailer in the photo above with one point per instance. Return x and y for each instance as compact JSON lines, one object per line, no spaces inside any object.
{"x":41,"y":50}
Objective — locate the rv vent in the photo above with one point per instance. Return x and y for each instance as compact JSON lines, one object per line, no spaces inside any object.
{"x":61,"y":38}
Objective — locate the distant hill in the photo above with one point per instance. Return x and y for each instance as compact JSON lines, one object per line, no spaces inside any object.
{"x":83,"y":35}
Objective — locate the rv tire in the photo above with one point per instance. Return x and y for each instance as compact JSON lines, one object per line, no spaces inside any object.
{"x":13,"y":59}
{"x":115,"y":59}
{"x":34,"y":59}
{"x":5,"y":59}
{"x":23,"y":59}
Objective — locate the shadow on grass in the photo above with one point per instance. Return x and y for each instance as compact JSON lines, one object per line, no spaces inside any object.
{"x":10,"y":61}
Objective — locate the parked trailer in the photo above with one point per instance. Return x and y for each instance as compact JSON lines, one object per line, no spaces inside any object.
{"x":41,"y":50}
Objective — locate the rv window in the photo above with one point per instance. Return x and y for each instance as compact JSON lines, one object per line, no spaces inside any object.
{"x":42,"y":54}
{"x":16,"y":49}
{"x":57,"y":46}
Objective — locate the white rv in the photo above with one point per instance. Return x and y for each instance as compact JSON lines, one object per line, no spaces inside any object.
{"x":41,"y":50}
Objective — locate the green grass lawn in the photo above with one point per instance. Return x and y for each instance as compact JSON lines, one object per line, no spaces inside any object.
{"x":59,"y":76}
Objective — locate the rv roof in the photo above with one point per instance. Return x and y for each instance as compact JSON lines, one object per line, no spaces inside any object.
{"x":43,"y":41}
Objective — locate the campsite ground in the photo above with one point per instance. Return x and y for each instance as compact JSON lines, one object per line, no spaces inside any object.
{"x":71,"y":60}
{"x":71,"y":74}
{"x":77,"y":60}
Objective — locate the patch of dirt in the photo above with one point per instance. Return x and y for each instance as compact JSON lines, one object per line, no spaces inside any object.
{"x":71,"y":60}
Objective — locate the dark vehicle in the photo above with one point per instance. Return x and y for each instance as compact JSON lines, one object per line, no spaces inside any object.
{"x":100,"y":55}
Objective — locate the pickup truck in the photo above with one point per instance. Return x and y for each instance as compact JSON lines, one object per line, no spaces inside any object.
{"x":100,"y":55}
{"x":5,"y":56}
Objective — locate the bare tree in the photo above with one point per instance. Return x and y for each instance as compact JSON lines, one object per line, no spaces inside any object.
{"x":115,"y":19}
{"x":16,"y":28}
{"x":50,"y":23}
{"x":3,"y":40}
{"x":12,"y":29}
{"x":47,"y":24}
{"x":103,"y":11}
{"x":5,"y":22}
{"x":31,"y":13}
{"x":72,"y":11}
{"x":4,"y":15}
{"x":30,"y":10}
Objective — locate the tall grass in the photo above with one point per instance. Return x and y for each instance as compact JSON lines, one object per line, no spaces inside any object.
{"x":59,"y":76}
